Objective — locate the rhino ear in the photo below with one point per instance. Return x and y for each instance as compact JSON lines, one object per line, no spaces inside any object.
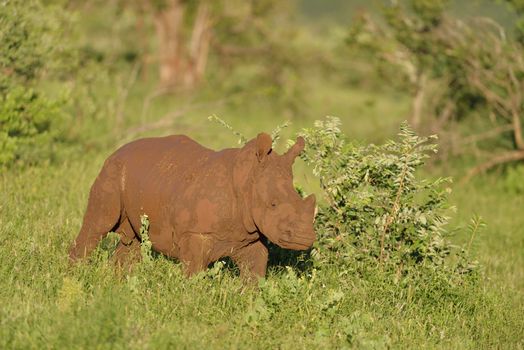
{"x":264,"y":143}
{"x":296,"y":149}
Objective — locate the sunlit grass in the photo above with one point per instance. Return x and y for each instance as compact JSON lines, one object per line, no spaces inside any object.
{"x":47,"y":303}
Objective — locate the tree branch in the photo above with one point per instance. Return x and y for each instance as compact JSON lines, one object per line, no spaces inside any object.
{"x":486,"y":135}
{"x":507,"y":157}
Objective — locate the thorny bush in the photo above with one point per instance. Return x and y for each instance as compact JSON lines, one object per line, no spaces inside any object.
{"x":378,"y":213}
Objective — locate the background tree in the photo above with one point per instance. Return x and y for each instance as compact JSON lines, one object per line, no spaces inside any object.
{"x":30,"y":120}
{"x":229,"y":34}
{"x":183,"y":30}
{"x":464,"y":77}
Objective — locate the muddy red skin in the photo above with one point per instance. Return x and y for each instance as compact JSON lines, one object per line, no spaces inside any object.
{"x":202,"y":204}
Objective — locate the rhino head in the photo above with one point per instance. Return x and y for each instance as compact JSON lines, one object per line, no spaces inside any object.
{"x":271,"y":204}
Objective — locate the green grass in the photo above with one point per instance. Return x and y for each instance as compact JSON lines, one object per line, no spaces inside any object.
{"x":45,"y":303}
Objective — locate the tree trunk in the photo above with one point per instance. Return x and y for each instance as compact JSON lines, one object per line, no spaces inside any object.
{"x":199,"y":44}
{"x":182,"y":62}
{"x":168,"y":25}
{"x":417,"y":105}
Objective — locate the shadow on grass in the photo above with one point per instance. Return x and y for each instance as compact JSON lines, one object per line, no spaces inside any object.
{"x":278,"y":261}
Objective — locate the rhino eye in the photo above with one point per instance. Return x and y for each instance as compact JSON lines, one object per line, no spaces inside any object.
{"x":273,"y":204}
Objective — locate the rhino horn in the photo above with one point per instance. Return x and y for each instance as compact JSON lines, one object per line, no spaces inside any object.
{"x":296,"y":149}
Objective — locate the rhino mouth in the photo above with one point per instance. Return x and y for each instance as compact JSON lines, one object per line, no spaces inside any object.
{"x":296,"y":242}
{"x":294,"y":245}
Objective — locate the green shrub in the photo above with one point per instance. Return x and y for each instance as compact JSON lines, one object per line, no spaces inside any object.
{"x":378,"y":213}
{"x":29,"y":125}
{"x":40,"y":62}
{"x":30,"y":48}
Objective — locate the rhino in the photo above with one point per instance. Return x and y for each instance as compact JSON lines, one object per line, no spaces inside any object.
{"x":202,"y":204}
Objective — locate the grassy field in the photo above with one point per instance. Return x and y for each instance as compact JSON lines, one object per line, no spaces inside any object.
{"x":45,"y":303}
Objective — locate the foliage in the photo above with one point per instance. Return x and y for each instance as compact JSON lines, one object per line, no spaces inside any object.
{"x":29,"y":120}
{"x":84,"y":75}
{"x":242,"y":140}
{"x":512,"y":180}
{"x":92,"y":305}
{"x":518,"y":7}
{"x":145,"y":242}
{"x":414,"y":52}
{"x":378,"y":211}
{"x":29,"y":125}
{"x":37,"y":54}
{"x":242,"y":48}
{"x":463,"y":76}
{"x":30,"y":39}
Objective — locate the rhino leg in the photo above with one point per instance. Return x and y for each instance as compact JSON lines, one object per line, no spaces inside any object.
{"x":195,"y":253}
{"x":102,"y":214}
{"x":126,"y":255}
{"x":252,"y":260}
{"x":128,"y":249}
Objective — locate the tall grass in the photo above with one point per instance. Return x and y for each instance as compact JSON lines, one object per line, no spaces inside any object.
{"x":45,"y":303}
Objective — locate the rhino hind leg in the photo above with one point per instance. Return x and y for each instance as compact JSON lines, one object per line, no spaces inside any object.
{"x":127,"y":255}
{"x":128,"y":250}
{"x":102,"y":214}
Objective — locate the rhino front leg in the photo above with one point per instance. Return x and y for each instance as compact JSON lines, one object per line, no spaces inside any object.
{"x":127,"y":253}
{"x":195,"y":252}
{"x":252,"y":260}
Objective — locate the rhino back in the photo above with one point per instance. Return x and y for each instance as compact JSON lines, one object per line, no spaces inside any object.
{"x":181,"y":185}
{"x":153,"y":170}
